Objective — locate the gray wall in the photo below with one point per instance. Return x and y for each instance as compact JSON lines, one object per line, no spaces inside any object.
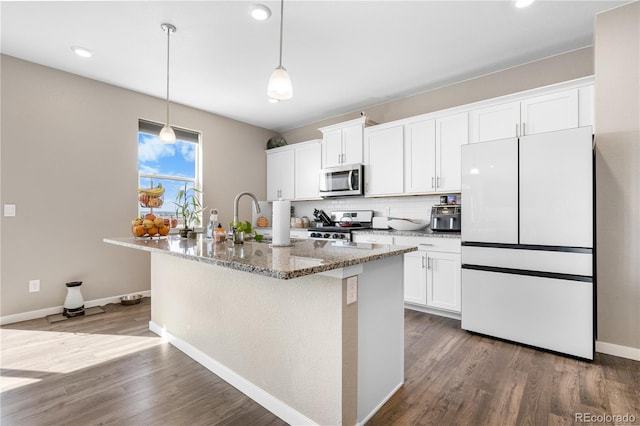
{"x":69,"y":163}
{"x":555,"y":69}
{"x":617,"y":120}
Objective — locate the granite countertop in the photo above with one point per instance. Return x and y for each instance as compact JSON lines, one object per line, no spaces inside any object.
{"x":303,"y":257}
{"x":419,"y":233}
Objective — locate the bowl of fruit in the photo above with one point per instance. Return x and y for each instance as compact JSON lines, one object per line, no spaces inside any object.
{"x":151,"y":197}
{"x":150,"y":226}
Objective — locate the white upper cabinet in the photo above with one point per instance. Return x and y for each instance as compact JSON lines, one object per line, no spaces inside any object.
{"x":495,"y":122}
{"x":307,"y":167}
{"x":384,"y":158}
{"x":280,"y":173}
{"x":342,"y":143}
{"x":547,"y":113}
{"x":451,"y":133}
{"x":566,"y":109}
{"x":432,"y":154}
{"x":419,"y":154}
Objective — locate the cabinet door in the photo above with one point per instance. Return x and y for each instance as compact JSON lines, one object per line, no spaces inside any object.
{"x":443,"y":281}
{"x":419,"y":152}
{"x":307,"y":168}
{"x":547,"y":113}
{"x":273,"y":176}
{"x":415,"y":278}
{"x":352,"y":138}
{"x":332,"y":148}
{"x":451,"y":133}
{"x":384,"y":173}
{"x":280,"y":175}
{"x":495,"y":122}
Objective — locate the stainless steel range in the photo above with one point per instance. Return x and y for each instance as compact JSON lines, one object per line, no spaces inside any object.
{"x":341,"y":225}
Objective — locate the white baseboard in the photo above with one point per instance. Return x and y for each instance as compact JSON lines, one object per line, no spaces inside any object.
{"x":41,"y":313}
{"x":427,"y":310}
{"x":259,"y":395}
{"x":384,"y":401}
{"x":617,"y":350}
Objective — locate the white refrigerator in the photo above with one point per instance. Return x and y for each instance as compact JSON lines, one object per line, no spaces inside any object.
{"x":527,"y":240}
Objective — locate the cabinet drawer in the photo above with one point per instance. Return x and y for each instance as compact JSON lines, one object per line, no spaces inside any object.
{"x":450,"y":245}
{"x":372,"y":238}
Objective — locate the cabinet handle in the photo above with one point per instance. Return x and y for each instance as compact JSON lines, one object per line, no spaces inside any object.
{"x":517,"y":130}
{"x":429,"y":265}
{"x":343,"y":158}
{"x":422,"y":257}
{"x":438,"y":182}
{"x":524,"y":132}
{"x":433,"y":180}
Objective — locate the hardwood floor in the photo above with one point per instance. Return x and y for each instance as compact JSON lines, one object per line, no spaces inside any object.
{"x":110,"y":369}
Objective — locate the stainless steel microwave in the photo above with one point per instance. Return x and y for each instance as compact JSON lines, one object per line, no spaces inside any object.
{"x":342,"y":181}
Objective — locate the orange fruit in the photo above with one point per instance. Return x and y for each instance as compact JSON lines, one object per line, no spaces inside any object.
{"x":152,"y":231}
{"x":139,"y":231}
{"x":164,"y":230}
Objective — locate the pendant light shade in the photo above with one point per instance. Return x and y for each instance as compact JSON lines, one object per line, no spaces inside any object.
{"x":280,"y":87}
{"x":167,"y":135}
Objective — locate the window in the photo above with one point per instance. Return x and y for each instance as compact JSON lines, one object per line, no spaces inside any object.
{"x":172,"y":166}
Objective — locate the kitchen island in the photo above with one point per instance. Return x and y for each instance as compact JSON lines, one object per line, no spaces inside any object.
{"x":314,"y":332}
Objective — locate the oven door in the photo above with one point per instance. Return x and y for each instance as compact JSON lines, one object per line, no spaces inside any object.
{"x":341,"y":181}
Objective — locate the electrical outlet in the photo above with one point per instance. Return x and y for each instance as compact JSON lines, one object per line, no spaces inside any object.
{"x":34,"y":285}
{"x":352,"y":290}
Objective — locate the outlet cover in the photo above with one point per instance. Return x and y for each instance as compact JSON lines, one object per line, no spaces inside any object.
{"x":34,"y":286}
{"x":9,"y":210}
{"x":352,"y":290}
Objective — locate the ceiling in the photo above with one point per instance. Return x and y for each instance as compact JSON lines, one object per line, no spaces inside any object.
{"x":342,"y":56}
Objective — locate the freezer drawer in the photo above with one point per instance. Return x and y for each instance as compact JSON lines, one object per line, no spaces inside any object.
{"x":561,"y":262}
{"x":548,"y":313}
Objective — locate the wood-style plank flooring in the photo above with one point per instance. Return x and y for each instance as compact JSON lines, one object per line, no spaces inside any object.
{"x":110,"y":369}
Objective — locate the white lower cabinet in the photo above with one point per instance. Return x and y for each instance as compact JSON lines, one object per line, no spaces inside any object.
{"x":432,"y":274}
{"x":359,"y":237}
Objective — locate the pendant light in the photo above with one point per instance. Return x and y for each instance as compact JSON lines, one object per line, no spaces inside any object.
{"x":167,"y":135}
{"x":280,"y":87}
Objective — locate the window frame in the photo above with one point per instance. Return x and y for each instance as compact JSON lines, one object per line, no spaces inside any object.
{"x":152,"y":128}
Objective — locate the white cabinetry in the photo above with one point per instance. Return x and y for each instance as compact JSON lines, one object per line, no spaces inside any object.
{"x":365,"y":237}
{"x":432,"y":154}
{"x":451,"y":133}
{"x":306,"y":169}
{"x":342,"y":143}
{"x":560,"y":110}
{"x":280,"y":173}
{"x":432,"y":274}
{"x":419,"y":152}
{"x":383,"y":159}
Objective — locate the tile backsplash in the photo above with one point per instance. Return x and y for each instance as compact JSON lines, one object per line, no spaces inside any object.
{"x":414,"y":207}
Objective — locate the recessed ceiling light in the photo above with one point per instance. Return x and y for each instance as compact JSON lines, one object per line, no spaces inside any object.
{"x":82,"y":51}
{"x":260,"y":12}
{"x":523,"y":3}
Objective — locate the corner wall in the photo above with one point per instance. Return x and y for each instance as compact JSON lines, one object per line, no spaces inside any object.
{"x":617,"y":123}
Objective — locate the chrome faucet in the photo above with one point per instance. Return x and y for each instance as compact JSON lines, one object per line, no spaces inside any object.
{"x":235,"y":206}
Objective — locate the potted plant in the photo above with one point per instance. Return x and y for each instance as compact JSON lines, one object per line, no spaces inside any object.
{"x":188,"y":207}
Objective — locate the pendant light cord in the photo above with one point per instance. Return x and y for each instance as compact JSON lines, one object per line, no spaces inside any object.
{"x":281,"y":25}
{"x":168,"y":42}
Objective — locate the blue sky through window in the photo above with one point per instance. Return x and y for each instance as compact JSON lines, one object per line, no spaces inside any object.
{"x":168,"y":161}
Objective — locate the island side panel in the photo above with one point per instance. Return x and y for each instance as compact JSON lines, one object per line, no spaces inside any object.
{"x":284,"y":336}
{"x":380,"y":334}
